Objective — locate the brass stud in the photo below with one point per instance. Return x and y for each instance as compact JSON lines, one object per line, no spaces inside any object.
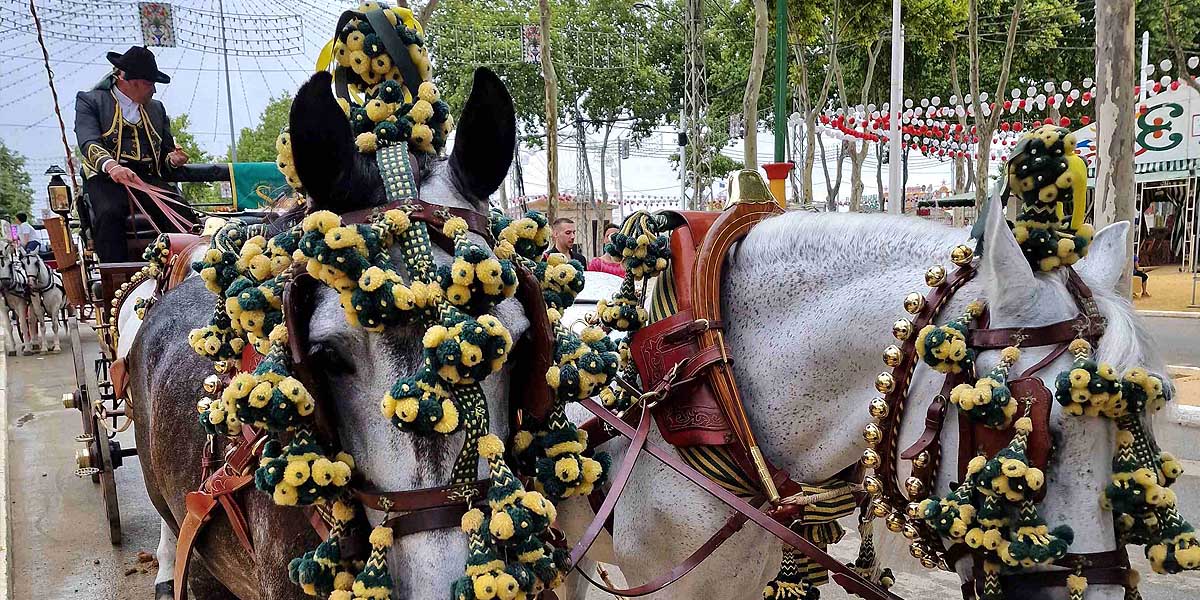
{"x":870,"y":458}
{"x":910,"y":531}
{"x":879,"y":508}
{"x":872,"y":485}
{"x":885,"y":383}
{"x":913,"y":303}
{"x":879,"y":408}
{"x":917,"y":551}
{"x":935,"y":275}
{"x":922,"y":460}
{"x":914,"y":487}
{"x":892,"y":355}
{"x":872,"y":434}
{"x":210,"y":383}
{"x":929,"y":563}
{"x":902,"y":329}
{"x":124,"y":286}
{"x":895,"y":522}
{"x":913,"y":511}
{"x":961,"y":255}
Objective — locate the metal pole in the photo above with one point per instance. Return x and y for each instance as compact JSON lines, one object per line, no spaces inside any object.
{"x":1142,"y":75}
{"x":228,"y":88}
{"x":781,"y":84}
{"x":895,"y":164}
{"x":683,"y":202}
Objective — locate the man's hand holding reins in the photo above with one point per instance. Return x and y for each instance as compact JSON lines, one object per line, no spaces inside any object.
{"x":124,"y":175}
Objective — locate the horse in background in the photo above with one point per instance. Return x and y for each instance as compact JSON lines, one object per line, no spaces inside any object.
{"x":47,"y":299}
{"x":15,"y":295}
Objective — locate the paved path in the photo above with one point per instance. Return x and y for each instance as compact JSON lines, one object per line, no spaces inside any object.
{"x":1177,"y":338}
{"x":60,"y":547}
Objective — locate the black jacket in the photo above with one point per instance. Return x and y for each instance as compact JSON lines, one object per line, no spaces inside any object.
{"x":98,"y":130}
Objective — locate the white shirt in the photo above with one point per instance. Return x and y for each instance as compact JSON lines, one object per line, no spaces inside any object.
{"x":130,"y":111}
{"x":25,"y":232}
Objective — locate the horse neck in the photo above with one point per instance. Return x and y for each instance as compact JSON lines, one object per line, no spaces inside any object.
{"x":809,"y":302}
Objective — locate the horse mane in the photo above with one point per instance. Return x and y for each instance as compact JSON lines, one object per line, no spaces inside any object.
{"x":848,"y":242}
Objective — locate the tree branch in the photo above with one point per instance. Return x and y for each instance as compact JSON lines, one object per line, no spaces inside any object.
{"x":1173,"y":41}
{"x":427,"y":12}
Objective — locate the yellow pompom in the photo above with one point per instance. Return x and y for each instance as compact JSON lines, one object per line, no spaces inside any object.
{"x":381,"y":537}
{"x":490,"y":446}
{"x":428,"y":92}
{"x":422,"y":137}
{"x":365,"y":142}
{"x":296,"y":473}
{"x":354,"y":41}
{"x":359,"y":62}
{"x":472,"y":520}
{"x":1010,"y":355}
{"x":501,"y":526}
{"x":284,"y":495}
{"x":449,"y":420}
{"x":421,"y":111}
{"x":378,"y":110}
{"x":566,"y":469}
{"x":381,"y":65}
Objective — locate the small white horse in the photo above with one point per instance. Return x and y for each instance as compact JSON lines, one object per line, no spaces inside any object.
{"x":47,"y":299}
{"x":15,"y":295}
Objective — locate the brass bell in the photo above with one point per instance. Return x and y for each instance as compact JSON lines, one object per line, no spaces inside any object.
{"x":892,"y":355}
{"x":870,"y":458}
{"x":879,"y":408}
{"x":124,"y":286}
{"x":885,"y":383}
{"x":922,"y":459}
{"x":895,"y":522}
{"x":117,"y":295}
{"x":902,"y":329}
{"x":961,"y":255}
{"x":879,"y":508}
{"x":910,"y":531}
{"x":872,"y":434}
{"x":210,"y":383}
{"x":929,"y":563}
{"x":872,"y":485}
{"x":915,"y":487}
{"x":203,"y":404}
{"x":935,"y":275}
{"x":221,"y":366}
{"x":913,"y":303}
{"x":913,"y":511}
{"x":917,"y":551}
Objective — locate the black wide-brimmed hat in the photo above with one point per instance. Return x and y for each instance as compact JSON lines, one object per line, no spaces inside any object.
{"x":138,"y":63}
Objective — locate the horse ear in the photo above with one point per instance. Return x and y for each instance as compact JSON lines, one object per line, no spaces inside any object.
{"x":1006,"y":273}
{"x":322,"y":145}
{"x":487,"y":134}
{"x":1107,"y":256}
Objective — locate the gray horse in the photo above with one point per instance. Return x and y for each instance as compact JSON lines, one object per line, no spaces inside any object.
{"x":350,"y":364}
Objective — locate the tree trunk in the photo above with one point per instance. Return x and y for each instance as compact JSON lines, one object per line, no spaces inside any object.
{"x":1115,"y":106}
{"x":604,"y":162}
{"x":962,"y":167}
{"x":427,"y":12}
{"x":551,"y":114}
{"x":879,"y":173}
{"x":753,"y":85}
{"x":1177,"y":48}
{"x":985,"y":125}
{"x":857,"y":155}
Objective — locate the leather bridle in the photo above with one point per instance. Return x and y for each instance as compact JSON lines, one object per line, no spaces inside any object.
{"x":1110,"y":567}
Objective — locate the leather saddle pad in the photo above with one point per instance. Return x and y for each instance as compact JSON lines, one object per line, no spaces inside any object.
{"x":1034,"y":400}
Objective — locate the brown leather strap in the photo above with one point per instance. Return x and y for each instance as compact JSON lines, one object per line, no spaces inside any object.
{"x":199,"y":511}
{"x":421,"y":499}
{"x":427,"y":519}
{"x":1110,"y":567}
{"x":1047,"y":335}
{"x":637,"y":441}
{"x":732,"y":526}
{"x":431,"y":214}
{"x":1046,"y":360}
{"x":845,"y":576}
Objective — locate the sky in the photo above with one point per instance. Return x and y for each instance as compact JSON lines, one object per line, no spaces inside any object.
{"x":273,"y":44}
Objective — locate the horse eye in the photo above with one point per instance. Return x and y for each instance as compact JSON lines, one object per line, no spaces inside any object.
{"x":326,"y":358}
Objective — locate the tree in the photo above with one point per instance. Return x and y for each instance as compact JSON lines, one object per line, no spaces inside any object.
{"x":986,"y":124}
{"x":194,"y":193}
{"x":15,"y":194}
{"x":258,"y":144}
{"x":754,"y":85}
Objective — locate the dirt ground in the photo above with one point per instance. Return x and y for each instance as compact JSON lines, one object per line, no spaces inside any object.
{"x":1169,"y":288}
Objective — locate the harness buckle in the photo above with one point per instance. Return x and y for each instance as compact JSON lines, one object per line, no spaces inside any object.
{"x":465,"y":493}
{"x":1018,"y":337}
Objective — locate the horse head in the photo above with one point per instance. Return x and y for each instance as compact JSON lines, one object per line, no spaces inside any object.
{"x":354,"y":368}
{"x":1080,"y":465}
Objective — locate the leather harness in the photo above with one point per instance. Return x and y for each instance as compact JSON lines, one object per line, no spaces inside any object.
{"x":1034,"y":400}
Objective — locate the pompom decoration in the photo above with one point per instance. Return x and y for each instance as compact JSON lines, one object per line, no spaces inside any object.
{"x":989,"y":401}
{"x":1050,"y":178}
{"x":945,"y":347}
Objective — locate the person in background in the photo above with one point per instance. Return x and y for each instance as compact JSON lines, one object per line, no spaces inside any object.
{"x":125,"y":139}
{"x":608,"y":262}
{"x":25,"y":233}
{"x":563,"y":230}
{"x":1139,"y":273}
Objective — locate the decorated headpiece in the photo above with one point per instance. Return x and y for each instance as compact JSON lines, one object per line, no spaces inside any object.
{"x":1050,"y":179}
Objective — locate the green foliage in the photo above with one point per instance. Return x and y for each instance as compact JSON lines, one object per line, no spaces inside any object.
{"x":257,"y":144}
{"x":15,"y":193}
{"x":194,"y":193}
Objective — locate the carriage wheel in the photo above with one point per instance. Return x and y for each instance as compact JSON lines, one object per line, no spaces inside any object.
{"x":97,"y":460}
{"x":79,"y":398}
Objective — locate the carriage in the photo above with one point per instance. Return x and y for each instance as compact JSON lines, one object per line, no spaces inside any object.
{"x":93,"y":290}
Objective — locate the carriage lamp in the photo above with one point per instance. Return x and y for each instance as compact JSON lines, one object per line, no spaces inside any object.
{"x":58,"y":192}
